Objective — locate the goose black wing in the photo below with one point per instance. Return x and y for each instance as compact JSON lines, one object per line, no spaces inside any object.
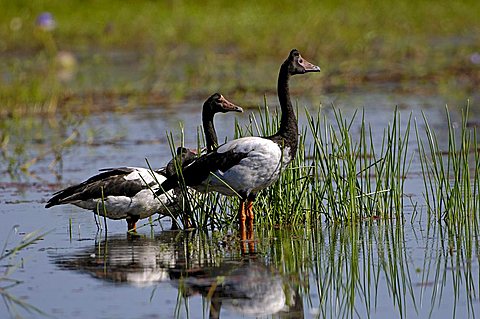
{"x":110,"y":179}
{"x":199,"y":170}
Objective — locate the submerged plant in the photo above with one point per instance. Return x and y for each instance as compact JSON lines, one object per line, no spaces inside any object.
{"x":7,"y":282}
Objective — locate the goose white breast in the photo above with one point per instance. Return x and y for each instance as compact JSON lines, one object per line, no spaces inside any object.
{"x":260,"y":166}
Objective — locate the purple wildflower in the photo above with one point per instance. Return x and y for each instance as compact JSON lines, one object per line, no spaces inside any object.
{"x":475,"y":58}
{"x":45,"y":21}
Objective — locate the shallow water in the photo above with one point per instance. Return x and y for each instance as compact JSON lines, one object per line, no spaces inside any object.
{"x":374,"y":269}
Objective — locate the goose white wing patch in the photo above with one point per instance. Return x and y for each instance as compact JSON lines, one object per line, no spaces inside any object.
{"x":145,"y":175}
{"x":248,"y":144}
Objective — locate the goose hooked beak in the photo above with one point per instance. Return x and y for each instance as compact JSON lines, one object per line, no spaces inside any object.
{"x":229,"y":106}
{"x":309,"y":67}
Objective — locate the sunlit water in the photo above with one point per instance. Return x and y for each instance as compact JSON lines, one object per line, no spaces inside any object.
{"x":376,"y":269}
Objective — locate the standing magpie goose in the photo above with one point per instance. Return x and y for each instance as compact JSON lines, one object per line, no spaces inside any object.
{"x":247,"y":165}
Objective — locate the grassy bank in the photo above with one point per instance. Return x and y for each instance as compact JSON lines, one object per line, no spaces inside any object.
{"x":173,"y":50}
{"x":356,"y":30}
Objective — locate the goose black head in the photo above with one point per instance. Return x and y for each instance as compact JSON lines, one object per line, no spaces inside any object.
{"x":298,"y":65}
{"x":183,"y":157}
{"x":216,"y":103}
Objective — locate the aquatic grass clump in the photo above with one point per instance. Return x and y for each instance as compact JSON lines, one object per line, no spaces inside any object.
{"x":451,"y":173}
{"x":354,"y":177}
{"x":342,"y":172}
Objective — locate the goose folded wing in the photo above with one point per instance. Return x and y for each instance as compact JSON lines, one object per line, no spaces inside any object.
{"x":199,"y":170}
{"x":111,"y":180}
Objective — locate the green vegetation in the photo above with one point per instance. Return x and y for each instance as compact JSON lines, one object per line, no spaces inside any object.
{"x":26,"y":141}
{"x":451,"y":172}
{"x":148,"y":52}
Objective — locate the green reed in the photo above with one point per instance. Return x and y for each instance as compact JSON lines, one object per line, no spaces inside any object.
{"x":451,"y":174}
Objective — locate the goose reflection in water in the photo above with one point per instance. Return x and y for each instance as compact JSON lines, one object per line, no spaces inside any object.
{"x":245,"y":286}
{"x":123,"y":259}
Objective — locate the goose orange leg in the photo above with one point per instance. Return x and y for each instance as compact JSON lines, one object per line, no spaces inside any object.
{"x":242,"y":218}
{"x":250,"y":219}
{"x":249,"y":214}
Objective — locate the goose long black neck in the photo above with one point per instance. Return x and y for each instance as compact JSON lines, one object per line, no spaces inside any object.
{"x":209,"y":129}
{"x":288,"y":130}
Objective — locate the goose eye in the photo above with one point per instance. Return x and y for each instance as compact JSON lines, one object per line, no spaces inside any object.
{"x":300,"y":61}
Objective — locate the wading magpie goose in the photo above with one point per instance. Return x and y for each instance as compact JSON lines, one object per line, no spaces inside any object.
{"x":247,"y":165}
